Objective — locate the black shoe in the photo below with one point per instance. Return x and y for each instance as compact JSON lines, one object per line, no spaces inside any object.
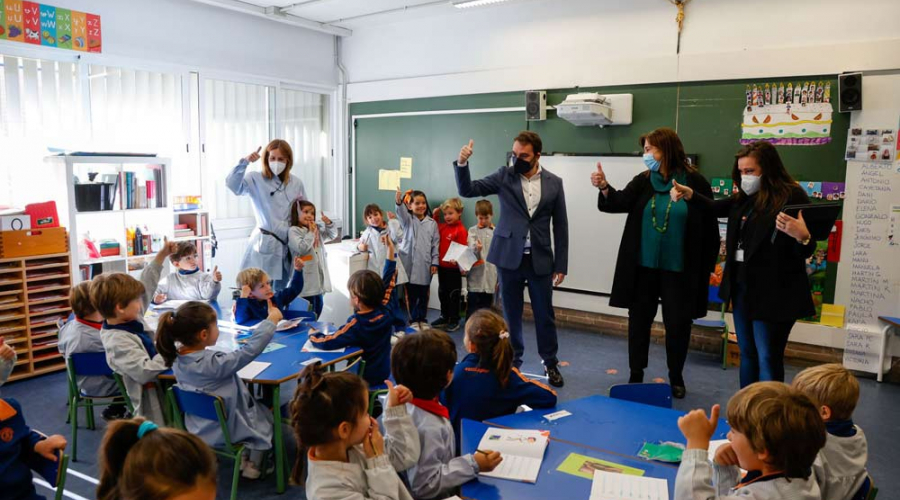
{"x":441,"y":322}
{"x":114,"y":412}
{"x":678,"y":391}
{"x":637,"y":377}
{"x":554,"y":377}
{"x":452,"y":327}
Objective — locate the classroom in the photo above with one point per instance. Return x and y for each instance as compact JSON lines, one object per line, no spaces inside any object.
{"x":449,"y":249}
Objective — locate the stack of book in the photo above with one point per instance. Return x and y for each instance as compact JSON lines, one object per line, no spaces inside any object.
{"x":183,"y":231}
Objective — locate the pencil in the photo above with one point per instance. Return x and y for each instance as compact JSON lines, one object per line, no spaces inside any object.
{"x":481,"y":451}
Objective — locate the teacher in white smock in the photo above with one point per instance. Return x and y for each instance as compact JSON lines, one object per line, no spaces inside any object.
{"x":272,"y":191}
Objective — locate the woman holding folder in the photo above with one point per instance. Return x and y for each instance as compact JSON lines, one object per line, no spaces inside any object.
{"x":765,"y":274}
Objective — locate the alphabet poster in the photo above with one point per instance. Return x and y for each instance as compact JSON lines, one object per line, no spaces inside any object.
{"x":49,"y":26}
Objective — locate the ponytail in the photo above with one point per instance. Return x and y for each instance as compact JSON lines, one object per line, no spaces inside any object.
{"x":142,"y":462}
{"x":487,"y":331}
{"x":183,"y":325}
{"x":322,"y":402}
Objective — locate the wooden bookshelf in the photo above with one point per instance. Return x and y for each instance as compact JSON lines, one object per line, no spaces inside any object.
{"x":34,"y":294}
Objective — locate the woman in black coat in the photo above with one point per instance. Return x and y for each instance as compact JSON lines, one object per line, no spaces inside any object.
{"x":765,"y":271}
{"x":667,"y":253}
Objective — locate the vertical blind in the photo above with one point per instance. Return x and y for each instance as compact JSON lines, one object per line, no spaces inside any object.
{"x":304,"y":119}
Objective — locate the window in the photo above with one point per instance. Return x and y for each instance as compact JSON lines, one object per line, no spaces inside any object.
{"x":305,"y":124}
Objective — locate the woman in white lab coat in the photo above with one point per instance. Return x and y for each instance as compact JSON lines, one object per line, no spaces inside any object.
{"x":272,"y":191}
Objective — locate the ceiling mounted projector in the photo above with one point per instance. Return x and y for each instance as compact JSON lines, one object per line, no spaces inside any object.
{"x":589,"y":109}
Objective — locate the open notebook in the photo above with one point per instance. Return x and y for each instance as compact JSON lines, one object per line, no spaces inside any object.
{"x":522,"y":451}
{"x":615,"y":486}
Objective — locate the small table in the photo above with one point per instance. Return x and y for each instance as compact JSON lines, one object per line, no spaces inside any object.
{"x":551,"y":483}
{"x":285,"y":365}
{"x":890,"y":322}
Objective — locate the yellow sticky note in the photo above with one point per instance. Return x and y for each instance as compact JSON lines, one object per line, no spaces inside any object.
{"x":832,"y":315}
{"x":406,"y":168}
{"x":388,"y":180}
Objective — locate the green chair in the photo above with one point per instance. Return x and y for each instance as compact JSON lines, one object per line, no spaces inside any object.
{"x":374,"y":390}
{"x":61,"y":476}
{"x":91,"y":364}
{"x":209,"y":407}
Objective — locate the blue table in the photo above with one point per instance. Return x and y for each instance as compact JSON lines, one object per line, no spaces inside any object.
{"x":605,"y":424}
{"x":286,"y":365}
{"x":551,"y":483}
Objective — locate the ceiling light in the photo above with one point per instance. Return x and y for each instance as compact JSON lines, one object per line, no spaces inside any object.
{"x":465,"y":4}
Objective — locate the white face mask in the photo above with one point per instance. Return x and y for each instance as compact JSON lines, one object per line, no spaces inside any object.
{"x":277,"y":167}
{"x":750,"y":184}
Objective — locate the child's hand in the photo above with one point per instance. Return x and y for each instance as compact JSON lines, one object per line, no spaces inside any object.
{"x":326,"y":220}
{"x":398,"y":197}
{"x":487,"y":460}
{"x":362,"y":247}
{"x":7,"y":353}
{"x":464,"y":273}
{"x":47,"y":447}
{"x":698,"y":429}
{"x":217,"y":276}
{"x":392,"y":215}
{"x":434,"y":270}
{"x":245,"y":291}
{"x":274,"y":313}
{"x":397,"y":395}
{"x":436,"y":213}
{"x":452,"y":262}
{"x":478,"y":245}
{"x":298,"y":263}
{"x":373,"y":444}
{"x":159,"y":298}
{"x":726,"y":456}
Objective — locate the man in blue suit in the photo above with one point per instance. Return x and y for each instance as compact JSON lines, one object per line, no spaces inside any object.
{"x":530,"y":198}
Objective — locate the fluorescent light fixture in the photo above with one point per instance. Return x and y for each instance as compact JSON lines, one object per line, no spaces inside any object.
{"x":465,"y":4}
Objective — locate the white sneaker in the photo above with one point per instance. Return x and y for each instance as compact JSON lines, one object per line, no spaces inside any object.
{"x":249,"y":471}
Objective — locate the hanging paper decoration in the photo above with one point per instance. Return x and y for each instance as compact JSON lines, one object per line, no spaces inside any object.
{"x":49,"y":26}
{"x":796,"y":114}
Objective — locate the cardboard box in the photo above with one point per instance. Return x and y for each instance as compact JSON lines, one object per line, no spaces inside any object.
{"x":15,"y":222}
{"x":733,"y":357}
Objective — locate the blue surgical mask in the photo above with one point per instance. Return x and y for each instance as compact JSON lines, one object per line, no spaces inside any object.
{"x":651,"y":162}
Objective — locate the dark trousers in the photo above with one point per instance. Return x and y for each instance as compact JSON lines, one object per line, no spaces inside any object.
{"x":762,"y":343}
{"x":540,"y":291}
{"x":653,"y":285}
{"x":449,"y":292}
{"x":317,"y":302}
{"x":478,"y":300}
{"x":417,"y":295}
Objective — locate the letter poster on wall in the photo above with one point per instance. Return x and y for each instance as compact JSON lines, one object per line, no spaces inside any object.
{"x":39,"y":24}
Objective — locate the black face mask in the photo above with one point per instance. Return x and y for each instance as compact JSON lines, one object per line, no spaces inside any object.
{"x":520,"y":165}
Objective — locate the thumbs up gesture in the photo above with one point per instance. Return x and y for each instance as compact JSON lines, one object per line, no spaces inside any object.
{"x":397,"y":395}
{"x":252,"y":157}
{"x":598,"y":178}
{"x":6,"y":352}
{"x":274,"y":313}
{"x":680,"y":191}
{"x":217,"y":276}
{"x":465,"y":153}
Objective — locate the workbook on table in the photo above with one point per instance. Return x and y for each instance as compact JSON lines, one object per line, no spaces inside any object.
{"x":522,"y":451}
{"x":615,"y":486}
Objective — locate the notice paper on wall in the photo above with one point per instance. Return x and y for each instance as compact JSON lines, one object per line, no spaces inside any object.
{"x":406,"y":168}
{"x":388,"y":180}
{"x":862,"y":350}
{"x":612,"y":486}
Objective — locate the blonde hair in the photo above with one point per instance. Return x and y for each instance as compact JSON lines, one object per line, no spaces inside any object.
{"x":115,"y":289}
{"x":830,"y":385}
{"x":80,"y":300}
{"x":252,"y":277}
{"x":454,"y":203}
{"x":781,"y":421}
{"x":484,"y":207}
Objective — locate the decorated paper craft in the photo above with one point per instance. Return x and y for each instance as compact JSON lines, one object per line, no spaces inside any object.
{"x":40,"y":24}
{"x":833,"y":191}
{"x":584,"y":466}
{"x":788,"y":115}
{"x":871,"y":145}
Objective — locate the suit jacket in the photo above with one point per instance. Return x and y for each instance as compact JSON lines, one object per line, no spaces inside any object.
{"x":701,"y":243}
{"x":777,"y":288}
{"x":515,"y":223}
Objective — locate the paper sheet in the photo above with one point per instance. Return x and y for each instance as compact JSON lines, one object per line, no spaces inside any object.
{"x":252,"y":370}
{"x":388,"y":180}
{"x":287,"y":324}
{"x":612,"y":486}
{"x":584,"y":466}
{"x":516,"y":468}
{"x":462,"y":254}
{"x":273,"y":346}
{"x":309,"y":347}
{"x":832,"y":315}
{"x":170,"y":305}
{"x":557,"y":415}
{"x":406,"y":168}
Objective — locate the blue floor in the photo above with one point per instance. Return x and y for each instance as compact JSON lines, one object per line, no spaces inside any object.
{"x":595,"y":362}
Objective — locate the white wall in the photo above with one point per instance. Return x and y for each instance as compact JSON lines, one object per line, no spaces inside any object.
{"x":558,"y":44}
{"x":199,"y":36}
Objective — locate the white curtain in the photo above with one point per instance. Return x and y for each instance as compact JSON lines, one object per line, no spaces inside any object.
{"x":304,"y":120}
{"x":238,"y":119}
{"x":40,"y":107}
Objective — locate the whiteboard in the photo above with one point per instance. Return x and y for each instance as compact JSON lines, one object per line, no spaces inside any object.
{"x":593,"y":236}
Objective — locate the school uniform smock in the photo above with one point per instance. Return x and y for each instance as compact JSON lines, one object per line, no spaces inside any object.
{"x":475,"y":392}
{"x":368,"y":478}
{"x":482,"y":278}
{"x":82,"y":336}
{"x":439,"y":472}
{"x":303,"y":243}
{"x":272,"y":201}
{"x":17,"y":442}
{"x":840,"y":466}
{"x":696,"y":475}
{"x":189,"y":285}
{"x":215,"y":372}
{"x":419,"y":246}
{"x":371,"y":237}
{"x":247,"y":309}
{"x":370,"y":331}
{"x":130,"y":353}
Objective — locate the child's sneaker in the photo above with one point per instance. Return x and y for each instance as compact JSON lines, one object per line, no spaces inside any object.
{"x":441,"y":323}
{"x":249,"y":470}
{"x":396,"y":337}
{"x":452,"y":327}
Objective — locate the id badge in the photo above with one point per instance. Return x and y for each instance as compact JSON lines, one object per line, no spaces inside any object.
{"x":739,"y":255}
